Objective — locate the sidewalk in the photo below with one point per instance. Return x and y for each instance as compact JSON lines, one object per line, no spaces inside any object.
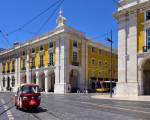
{"x":131,"y":98}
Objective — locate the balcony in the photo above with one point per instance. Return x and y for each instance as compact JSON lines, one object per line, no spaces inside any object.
{"x":33,"y":67}
{"x":23,"y":68}
{"x":146,"y":48}
{"x":75,"y":63}
{"x":8,"y":71}
{"x":50,"y":64}
{"x":41,"y":65}
{"x":13,"y":70}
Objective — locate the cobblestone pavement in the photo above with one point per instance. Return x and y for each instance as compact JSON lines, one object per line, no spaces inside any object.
{"x":75,"y":107}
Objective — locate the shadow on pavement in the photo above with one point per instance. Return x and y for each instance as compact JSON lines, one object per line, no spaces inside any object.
{"x":38,"y":110}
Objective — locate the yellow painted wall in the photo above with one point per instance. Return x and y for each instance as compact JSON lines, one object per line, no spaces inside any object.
{"x":46,"y":55}
{"x":103,"y":58}
{"x":140,"y":31}
{"x":37,"y":57}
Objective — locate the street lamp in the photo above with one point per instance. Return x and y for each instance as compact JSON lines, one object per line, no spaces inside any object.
{"x":111,"y":42}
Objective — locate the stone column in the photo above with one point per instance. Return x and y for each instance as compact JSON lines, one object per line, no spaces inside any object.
{"x":46,"y":80}
{"x":28,"y":67}
{"x":60,"y":73}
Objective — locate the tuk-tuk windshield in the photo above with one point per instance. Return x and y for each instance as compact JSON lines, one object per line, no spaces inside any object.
{"x":30,"y":89}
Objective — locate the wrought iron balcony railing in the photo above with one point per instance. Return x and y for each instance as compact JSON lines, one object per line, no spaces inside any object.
{"x":146,"y":48}
{"x":75,"y":63}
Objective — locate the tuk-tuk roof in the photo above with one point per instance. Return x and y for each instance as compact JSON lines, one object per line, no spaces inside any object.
{"x":28,"y":84}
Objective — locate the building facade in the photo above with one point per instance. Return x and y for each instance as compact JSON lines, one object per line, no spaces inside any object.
{"x":61,"y":61}
{"x":133,"y":47}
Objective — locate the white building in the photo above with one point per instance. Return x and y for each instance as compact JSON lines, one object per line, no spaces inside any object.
{"x":133,"y":47}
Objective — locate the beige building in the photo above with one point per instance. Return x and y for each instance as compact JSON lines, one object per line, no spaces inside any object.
{"x":60,"y":61}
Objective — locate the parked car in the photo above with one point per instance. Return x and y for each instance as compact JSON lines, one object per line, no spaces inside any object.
{"x":28,"y":96}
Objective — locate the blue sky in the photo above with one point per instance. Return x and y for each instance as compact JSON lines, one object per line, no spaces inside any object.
{"x":93,"y":17}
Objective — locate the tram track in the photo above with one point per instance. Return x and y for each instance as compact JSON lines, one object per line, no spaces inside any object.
{"x":9,"y":101}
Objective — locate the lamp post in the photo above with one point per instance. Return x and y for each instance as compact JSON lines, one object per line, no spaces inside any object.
{"x":111,"y":42}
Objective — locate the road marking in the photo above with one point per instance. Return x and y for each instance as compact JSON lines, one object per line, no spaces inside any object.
{"x":9,"y":114}
{"x":115,"y":107}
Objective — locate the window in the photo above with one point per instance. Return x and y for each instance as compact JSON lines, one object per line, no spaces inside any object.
{"x":33,"y":62}
{"x":51,"y":45}
{"x":75,"y":44}
{"x":51,"y":61}
{"x":93,"y":49}
{"x":105,"y":53}
{"x":3,"y":82}
{"x":23,"y":63}
{"x":99,"y":74}
{"x":23,"y":53}
{"x":33,"y":50}
{"x":93,"y":62}
{"x":99,"y":63}
{"x":100,"y":52}
{"x":41,"y":48}
{"x":13,"y":66}
{"x":13,"y":81}
{"x":75,"y":57}
{"x":105,"y":64}
{"x":8,"y":67}
{"x":41,"y":60}
{"x":148,"y":15}
{"x":148,"y":38}
{"x":3,"y":68}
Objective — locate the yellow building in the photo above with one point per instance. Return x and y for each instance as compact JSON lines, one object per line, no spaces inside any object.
{"x":133,"y":47}
{"x":62,"y":61}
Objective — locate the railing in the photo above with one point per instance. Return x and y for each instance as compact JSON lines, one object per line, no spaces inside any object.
{"x":146,"y":48}
{"x":50,"y":64}
{"x":41,"y":65}
{"x":75,"y":63}
{"x":23,"y":68}
{"x":13,"y":70}
{"x":33,"y":67}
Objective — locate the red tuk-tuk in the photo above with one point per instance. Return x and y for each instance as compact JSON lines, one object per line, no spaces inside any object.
{"x":28,"y":96}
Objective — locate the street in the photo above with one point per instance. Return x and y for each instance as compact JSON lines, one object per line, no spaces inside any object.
{"x":75,"y":107}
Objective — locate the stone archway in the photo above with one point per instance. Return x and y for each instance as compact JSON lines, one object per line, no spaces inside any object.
{"x":13,"y":81}
{"x":146,"y":77}
{"x":51,"y":81}
{"x":3,"y":81}
{"x":8,"y":83}
{"x":42,"y":81}
{"x":73,"y":80}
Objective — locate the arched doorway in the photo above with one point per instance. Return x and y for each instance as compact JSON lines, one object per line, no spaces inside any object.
{"x":13,"y":81}
{"x":74,"y":76}
{"x":23,"y":79}
{"x":8,"y":83}
{"x":146,"y":77}
{"x":42,"y":81}
{"x":3,"y":81}
{"x":33,"y":80}
{"x":51,"y":81}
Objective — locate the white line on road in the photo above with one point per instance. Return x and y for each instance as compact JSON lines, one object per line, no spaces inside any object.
{"x":9,"y":114}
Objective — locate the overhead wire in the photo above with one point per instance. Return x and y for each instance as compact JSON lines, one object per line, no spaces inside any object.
{"x":52,"y":14}
{"x":33,"y":19}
